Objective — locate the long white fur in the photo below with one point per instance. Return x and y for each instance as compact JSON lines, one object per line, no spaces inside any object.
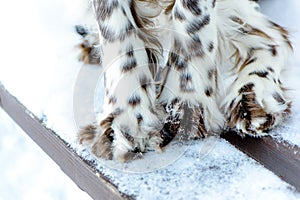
{"x":225,"y":35}
{"x":230,"y":40}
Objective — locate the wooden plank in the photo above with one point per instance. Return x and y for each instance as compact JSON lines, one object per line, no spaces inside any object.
{"x":86,"y":177}
{"x":280,"y":157}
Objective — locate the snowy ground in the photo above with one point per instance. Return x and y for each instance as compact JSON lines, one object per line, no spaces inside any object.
{"x":40,"y":68}
{"x":27,"y":172}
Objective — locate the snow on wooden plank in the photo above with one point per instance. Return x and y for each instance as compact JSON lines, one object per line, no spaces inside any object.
{"x":98,"y":186}
{"x":280,"y":157}
{"x":87,"y":178}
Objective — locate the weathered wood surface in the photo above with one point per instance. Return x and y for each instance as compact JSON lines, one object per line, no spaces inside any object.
{"x":280,"y":157}
{"x":87,"y":178}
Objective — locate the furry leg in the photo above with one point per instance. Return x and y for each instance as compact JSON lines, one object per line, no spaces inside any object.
{"x":256,"y":100}
{"x":130,"y":122}
{"x":189,"y":88}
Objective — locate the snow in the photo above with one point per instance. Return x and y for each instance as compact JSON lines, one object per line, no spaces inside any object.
{"x":209,"y":169}
{"x":27,"y":172}
{"x":39,"y":66}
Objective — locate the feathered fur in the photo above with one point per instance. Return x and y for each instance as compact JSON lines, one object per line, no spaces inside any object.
{"x":185,"y":44}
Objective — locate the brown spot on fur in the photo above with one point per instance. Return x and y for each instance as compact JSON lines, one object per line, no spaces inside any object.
{"x":208,"y":91}
{"x":198,"y":24}
{"x":270,"y":120}
{"x":87,"y":134}
{"x":170,"y":7}
{"x":245,"y":111}
{"x":262,"y":74}
{"x":278,"y":98}
{"x":103,"y":146}
{"x":192,"y":6}
{"x":145,"y":82}
{"x":185,"y":83}
{"x":210,"y":74}
{"x":287,"y":111}
{"x":104,"y":9}
{"x":112,"y":100}
{"x":127,"y":136}
{"x":107,"y":122}
{"x":173,"y":57}
{"x":129,"y":30}
{"x":139,"y":118}
{"x":194,"y":48}
{"x":255,"y":31}
{"x":248,"y":29}
{"x":246,"y":88}
{"x":111,"y":36}
{"x":89,"y":54}
{"x":129,"y":65}
{"x":273,"y":50}
{"x":231,"y":104}
{"x":211,"y":46}
{"x":179,"y":15}
{"x":186,"y":77}
{"x":237,"y":20}
{"x":236,"y":56}
{"x":130,"y":51}
{"x":180,"y":64}
{"x":134,"y":100}
{"x":216,"y":79}
{"x":214,"y":3}
{"x":247,"y":62}
{"x":284,"y":33}
{"x":106,"y":33}
{"x":270,"y":69}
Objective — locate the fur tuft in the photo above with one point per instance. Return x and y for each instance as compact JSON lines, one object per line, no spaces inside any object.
{"x":87,"y":135}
